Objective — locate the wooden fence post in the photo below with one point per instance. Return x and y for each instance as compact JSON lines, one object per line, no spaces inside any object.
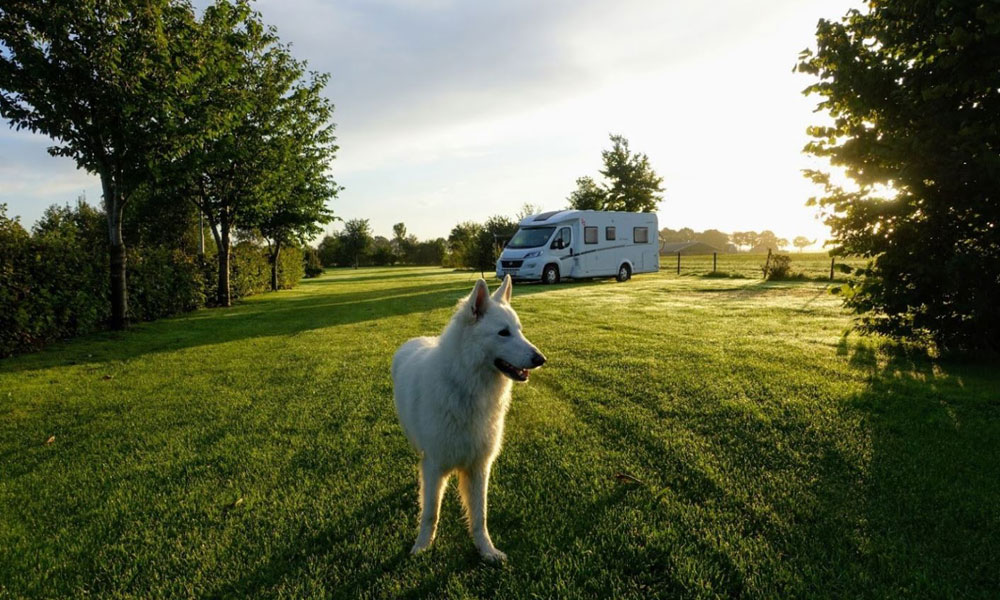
{"x":767,"y":263}
{"x":678,"y":263}
{"x":831,"y":268}
{"x":715,"y":260}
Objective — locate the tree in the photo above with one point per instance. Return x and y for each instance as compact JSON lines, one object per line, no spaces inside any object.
{"x":488,"y":242}
{"x":587,"y":195}
{"x":382,"y":254}
{"x":802,"y":242}
{"x":764,"y":241}
{"x":296,"y":186}
{"x":357,"y":240}
{"x":713,"y":237}
{"x":104,"y":82}
{"x":329,"y":250}
{"x":528,"y":209}
{"x":430,"y":252}
{"x":911,"y":88}
{"x":402,"y":245}
{"x":744,"y":239}
{"x":461,"y":242}
{"x":225,"y":175}
{"x":633,"y":185}
{"x":399,"y":231}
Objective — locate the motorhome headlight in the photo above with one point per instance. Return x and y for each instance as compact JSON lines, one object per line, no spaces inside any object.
{"x":533,"y":254}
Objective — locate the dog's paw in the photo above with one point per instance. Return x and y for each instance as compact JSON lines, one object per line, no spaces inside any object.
{"x":492,"y":555}
{"x":419,"y":547}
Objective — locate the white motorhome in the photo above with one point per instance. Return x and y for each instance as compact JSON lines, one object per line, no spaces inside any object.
{"x":581,"y":243}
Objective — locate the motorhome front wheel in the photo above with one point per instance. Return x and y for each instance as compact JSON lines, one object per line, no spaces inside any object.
{"x":551,"y":274}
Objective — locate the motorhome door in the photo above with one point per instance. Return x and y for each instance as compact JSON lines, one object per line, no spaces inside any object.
{"x":562,"y":248}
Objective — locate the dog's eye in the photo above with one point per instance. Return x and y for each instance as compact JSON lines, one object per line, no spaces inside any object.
{"x":504,"y":332}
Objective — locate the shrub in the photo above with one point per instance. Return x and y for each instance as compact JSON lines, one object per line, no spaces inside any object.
{"x":250,"y":272}
{"x":329,"y":251}
{"x":15,"y":285}
{"x":383,"y":255}
{"x":313,"y":266}
{"x":431,"y":252}
{"x":163,"y":282}
{"x":780,"y":267}
{"x":54,"y":280}
{"x":291,"y":267}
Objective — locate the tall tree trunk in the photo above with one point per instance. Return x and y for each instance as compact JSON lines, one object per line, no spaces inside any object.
{"x":223,"y":292}
{"x":116,"y":251}
{"x":274,"y":266}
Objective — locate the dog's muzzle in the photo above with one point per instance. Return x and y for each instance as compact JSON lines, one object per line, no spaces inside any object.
{"x":517,"y":373}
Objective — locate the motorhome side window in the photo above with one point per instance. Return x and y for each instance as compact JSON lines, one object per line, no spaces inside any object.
{"x":589,"y":235}
{"x":640,"y":235}
{"x":609,"y":234}
{"x":562,"y":239}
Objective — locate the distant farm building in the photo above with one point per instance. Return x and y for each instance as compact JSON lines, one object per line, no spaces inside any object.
{"x":687,"y":248}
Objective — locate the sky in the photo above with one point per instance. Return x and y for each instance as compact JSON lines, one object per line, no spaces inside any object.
{"x":450,"y":110}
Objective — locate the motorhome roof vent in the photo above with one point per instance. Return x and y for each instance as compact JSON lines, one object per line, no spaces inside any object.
{"x":546,"y":215}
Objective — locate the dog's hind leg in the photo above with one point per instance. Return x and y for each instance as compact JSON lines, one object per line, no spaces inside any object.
{"x":473,"y":485}
{"x":432,"y":483}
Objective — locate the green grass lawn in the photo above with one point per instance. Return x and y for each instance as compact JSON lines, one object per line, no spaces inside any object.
{"x":254,"y":451}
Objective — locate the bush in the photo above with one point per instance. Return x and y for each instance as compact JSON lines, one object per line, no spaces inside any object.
{"x":779,"y":267}
{"x":15,"y":285}
{"x":250,"y":271}
{"x":330,"y":251}
{"x":383,"y":255}
{"x":54,"y":280}
{"x":431,"y":252}
{"x":313,"y":266}
{"x":291,"y":268}
{"x":163,"y":282}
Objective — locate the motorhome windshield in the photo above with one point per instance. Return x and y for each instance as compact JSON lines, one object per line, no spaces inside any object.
{"x":531,"y":238}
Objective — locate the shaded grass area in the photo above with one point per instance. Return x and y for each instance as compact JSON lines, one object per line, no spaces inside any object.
{"x":254,"y":452}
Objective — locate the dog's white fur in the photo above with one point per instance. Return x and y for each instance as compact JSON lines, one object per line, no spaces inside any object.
{"x":452,"y":399}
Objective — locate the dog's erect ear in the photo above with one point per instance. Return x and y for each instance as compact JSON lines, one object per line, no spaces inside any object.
{"x":503,"y":292}
{"x":480,"y":298}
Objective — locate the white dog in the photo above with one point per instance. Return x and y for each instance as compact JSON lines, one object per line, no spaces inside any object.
{"x":452,"y":393}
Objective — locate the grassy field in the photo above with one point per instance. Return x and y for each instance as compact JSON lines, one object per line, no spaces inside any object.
{"x":254,"y":451}
{"x":810,"y":265}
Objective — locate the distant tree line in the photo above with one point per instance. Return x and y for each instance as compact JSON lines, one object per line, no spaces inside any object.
{"x":470,"y":245}
{"x":181,"y":117}
{"x":356,"y":246}
{"x":738,"y":241}
{"x":477,"y":246}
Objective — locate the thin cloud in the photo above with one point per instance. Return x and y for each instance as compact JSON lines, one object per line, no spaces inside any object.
{"x":450,"y":110}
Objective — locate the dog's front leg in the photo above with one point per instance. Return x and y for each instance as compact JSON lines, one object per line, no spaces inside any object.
{"x":432,"y":483}
{"x":473,"y":485}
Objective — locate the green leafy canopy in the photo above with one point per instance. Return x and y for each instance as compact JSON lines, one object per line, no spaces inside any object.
{"x":913,"y":91}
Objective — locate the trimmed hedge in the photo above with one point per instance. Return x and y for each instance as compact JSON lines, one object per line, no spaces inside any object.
{"x":54,"y":280}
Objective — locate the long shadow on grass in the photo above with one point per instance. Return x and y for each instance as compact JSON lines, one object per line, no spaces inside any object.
{"x":271,"y":315}
{"x":919,"y":515}
{"x":934,"y":478}
{"x":326,"y":544}
{"x":335,"y":276}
